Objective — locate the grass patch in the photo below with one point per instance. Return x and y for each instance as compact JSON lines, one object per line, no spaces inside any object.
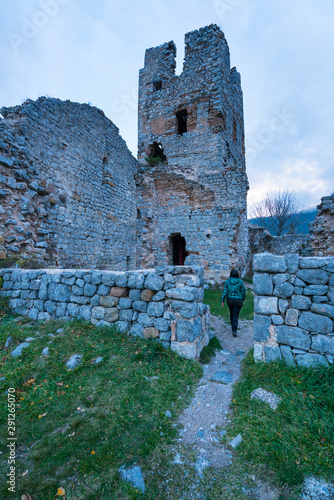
{"x":210,"y":350}
{"x":297,"y":439}
{"x":212,"y":297}
{"x":75,"y":428}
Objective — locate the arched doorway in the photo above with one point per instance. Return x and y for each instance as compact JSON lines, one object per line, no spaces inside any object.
{"x":178,"y":249}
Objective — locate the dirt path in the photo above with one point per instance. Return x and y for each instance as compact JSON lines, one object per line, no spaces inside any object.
{"x":203,"y":425}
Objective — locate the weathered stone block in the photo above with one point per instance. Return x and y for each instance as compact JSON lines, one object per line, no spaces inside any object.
{"x":265,"y":305}
{"x":78,"y":299}
{"x":323,"y":343}
{"x":323,"y":309}
{"x":90,"y":290}
{"x":277,"y":319}
{"x":185,"y":309}
{"x":313,"y":276}
{"x":258,"y":353}
{"x":109,"y":301}
{"x":161,"y":295}
{"x":161,"y":324}
{"x":315,"y":290}
{"x":111,"y":314}
{"x":293,"y":336}
{"x":266,"y":262}
{"x":50,"y":306}
{"x":96,"y":278}
{"x":315,"y":323}
{"x":278,"y":279}
{"x":145,"y":320}
{"x":125,"y":303}
{"x":311,"y":360}
{"x":186,"y":293}
{"x":147,"y":295}
{"x":117,"y":291}
{"x":156,"y":309}
{"x":319,"y":299}
{"x":292,"y":261}
{"x":134,"y":294}
{"x":154,"y":282}
{"x":140,"y":305}
{"x":291,"y":317}
{"x":262,"y":284}
{"x":98,"y":312}
{"x":312,"y":262}
{"x":150,"y":333}
{"x":108,"y":279}
{"x":300,"y":302}
{"x":272,"y":353}
{"x":287,"y":355}
{"x":60,"y":311}
{"x":188,"y":330}
{"x":284,"y":291}
{"x":261,"y":328}
{"x":85,"y":312}
{"x":283,"y":305}
{"x":137,"y":330}
{"x":58,"y":292}
{"x":73,"y":310}
{"x":125,"y":314}
{"x":185,"y":349}
{"x":103,"y":290}
{"x":136,"y":280}
{"x":165,"y":336}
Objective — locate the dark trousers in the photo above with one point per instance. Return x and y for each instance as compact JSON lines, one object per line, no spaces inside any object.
{"x":234,"y":306}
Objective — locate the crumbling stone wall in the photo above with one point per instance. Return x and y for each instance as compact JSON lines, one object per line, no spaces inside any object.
{"x":67,"y":186}
{"x":194,"y":123}
{"x":294,"y":309}
{"x":321,"y":241}
{"x":164,"y":304}
{"x":260,"y":240}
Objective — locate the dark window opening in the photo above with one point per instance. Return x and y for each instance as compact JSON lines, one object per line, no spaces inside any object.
{"x":128,"y":262}
{"x":138,"y":214}
{"x":178,"y":248}
{"x":208,"y":236}
{"x":156,"y":153}
{"x":157,"y":85}
{"x":181,"y":117}
{"x":235,"y":130}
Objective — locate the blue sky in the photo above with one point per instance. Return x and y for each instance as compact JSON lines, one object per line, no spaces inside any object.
{"x":92,"y":51}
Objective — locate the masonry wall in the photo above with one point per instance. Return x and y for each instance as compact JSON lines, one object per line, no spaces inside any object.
{"x":206,"y":163}
{"x":321,"y":240}
{"x":164,"y":304}
{"x":294,"y":309}
{"x":67,"y":186}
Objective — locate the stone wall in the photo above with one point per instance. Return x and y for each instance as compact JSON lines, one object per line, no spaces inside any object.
{"x":199,"y":188}
{"x":260,"y":240}
{"x":67,"y":186}
{"x":321,"y":240}
{"x":165,"y":303}
{"x":294,"y":309}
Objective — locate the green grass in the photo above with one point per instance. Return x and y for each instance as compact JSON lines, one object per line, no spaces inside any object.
{"x":297,"y":439}
{"x":210,"y":350}
{"x":75,"y":428}
{"x":212,"y":297}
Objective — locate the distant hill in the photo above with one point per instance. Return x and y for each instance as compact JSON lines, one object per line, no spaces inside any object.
{"x":305,"y":217}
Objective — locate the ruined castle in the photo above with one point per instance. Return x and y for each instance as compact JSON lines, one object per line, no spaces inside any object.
{"x":72,"y":194}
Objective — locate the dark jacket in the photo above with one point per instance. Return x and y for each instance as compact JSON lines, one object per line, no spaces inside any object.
{"x":234,"y":288}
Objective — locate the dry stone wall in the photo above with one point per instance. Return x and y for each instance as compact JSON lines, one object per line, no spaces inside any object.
{"x":67,"y":189}
{"x":294,"y":309}
{"x":194,"y":121}
{"x":164,"y":304}
{"x":321,"y":240}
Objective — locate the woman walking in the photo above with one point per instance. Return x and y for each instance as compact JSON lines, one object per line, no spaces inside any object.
{"x":235,"y":293}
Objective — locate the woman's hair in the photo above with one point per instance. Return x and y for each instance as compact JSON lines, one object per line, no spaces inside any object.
{"x":234,"y":274}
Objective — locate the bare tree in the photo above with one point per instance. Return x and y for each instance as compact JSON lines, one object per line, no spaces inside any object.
{"x":279,"y":213}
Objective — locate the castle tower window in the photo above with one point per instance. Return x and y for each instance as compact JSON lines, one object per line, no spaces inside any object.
{"x":178,"y":249}
{"x":181,"y":117}
{"x":234,"y":130}
{"x":157,"y":152}
{"x":157,"y":85}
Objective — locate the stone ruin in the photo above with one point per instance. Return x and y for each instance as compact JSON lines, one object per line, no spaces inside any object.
{"x":73,"y":196}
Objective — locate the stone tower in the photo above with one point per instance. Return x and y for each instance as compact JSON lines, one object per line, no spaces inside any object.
{"x":192,"y":186}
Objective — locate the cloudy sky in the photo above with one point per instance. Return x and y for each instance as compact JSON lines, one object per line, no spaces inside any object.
{"x":91,"y":51}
